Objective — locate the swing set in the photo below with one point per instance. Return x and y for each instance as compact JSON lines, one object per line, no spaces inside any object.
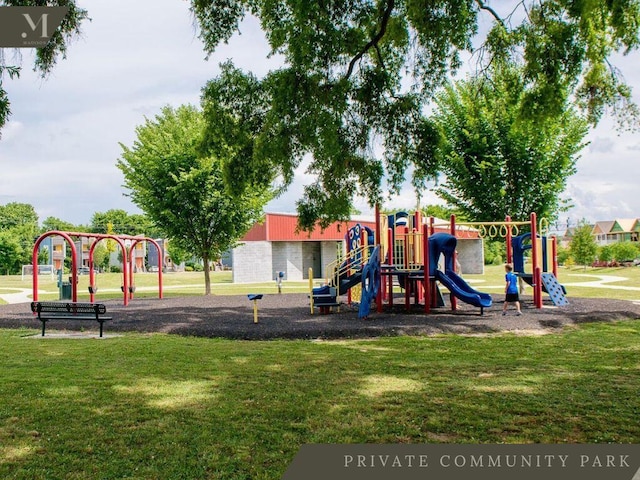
{"x":128,"y":266}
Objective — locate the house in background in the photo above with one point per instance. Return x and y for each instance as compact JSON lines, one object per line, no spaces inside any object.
{"x":611,"y":231}
{"x":623,"y":230}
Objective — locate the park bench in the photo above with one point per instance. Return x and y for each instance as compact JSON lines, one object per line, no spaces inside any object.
{"x":69,"y":311}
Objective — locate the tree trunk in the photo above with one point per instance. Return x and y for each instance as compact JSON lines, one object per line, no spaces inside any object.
{"x":207,"y":276}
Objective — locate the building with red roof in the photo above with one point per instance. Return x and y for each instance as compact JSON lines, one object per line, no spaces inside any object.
{"x":276,"y":245}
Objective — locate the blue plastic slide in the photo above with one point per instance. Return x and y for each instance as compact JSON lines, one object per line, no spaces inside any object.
{"x":462,"y":290}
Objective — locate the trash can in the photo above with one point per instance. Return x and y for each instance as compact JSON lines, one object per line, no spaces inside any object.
{"x":65,"y":291}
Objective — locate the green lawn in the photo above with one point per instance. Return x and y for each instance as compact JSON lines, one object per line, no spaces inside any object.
{"x":185,"y":283}
{"x":192,"y":283}
{"x":159,"y":406}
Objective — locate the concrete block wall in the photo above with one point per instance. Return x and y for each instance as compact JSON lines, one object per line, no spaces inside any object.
{"x":329,"y":252}
{"x":252,"y":262}
{"x":287,"y":258}
{"x":471,"y":255}
{"x":279,"y":256}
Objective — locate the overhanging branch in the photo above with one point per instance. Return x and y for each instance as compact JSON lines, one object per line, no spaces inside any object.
{"x":494,"y":14}
{"x":374,"y":41}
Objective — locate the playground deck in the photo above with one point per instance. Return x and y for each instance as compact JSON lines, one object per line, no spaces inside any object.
{"x":288,"y":316}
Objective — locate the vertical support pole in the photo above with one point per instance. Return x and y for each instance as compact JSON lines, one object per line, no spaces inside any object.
{"x":537,"y":279}
{"x":508,"y":239}
{"x":311,"y":289}
{"x":378,"y":242}
{"x":554,"y":255}
{"x":405,"y":262}
{"x":405,"y":252}
{"x":392,"y":267}
{"x":131,"y":269}
{"x":34,"y":270}
{"x":255,"y":311}
{"x":452,"y":297}
{"x":427,"y":278}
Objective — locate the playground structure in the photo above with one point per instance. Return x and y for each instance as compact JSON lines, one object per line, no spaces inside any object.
{"x":409,"y":247}
{"x":128,"y":270}
{"x":545,"y":270}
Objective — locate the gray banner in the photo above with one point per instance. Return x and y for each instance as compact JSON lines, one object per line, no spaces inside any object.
{"x":29,"y":27}
{"x":464,"y":462}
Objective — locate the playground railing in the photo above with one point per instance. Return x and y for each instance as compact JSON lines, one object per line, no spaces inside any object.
{"x":346,"y":264}
{"x":408,"y":251}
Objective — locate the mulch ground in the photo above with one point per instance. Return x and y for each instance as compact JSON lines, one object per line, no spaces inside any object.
{"x":288,"y":316}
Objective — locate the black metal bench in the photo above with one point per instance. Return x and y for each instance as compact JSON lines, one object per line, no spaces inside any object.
{"x":69,"y":311}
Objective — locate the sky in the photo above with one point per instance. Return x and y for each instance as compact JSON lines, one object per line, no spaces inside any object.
{"x":59,"y":150}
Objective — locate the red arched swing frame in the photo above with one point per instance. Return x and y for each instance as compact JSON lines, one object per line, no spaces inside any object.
{"x":127,"y":261}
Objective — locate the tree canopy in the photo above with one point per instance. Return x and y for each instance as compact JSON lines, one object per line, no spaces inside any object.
{"x":18,"y":228}
{"x":497,"y":162}
{"x":359,"y":74}
{"x":121,"y":222}
{"x":173,"y":179}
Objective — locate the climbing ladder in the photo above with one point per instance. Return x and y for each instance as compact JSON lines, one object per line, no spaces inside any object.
{"x":554,"y":289}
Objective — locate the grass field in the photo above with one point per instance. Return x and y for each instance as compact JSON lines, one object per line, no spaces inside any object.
{"x":185,"y":283}
{"x":163,"y":407}
{"x":579,"y":281}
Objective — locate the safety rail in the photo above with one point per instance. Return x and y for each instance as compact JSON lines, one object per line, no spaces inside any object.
{"x":408,"y":251}
{"x":354,"y":259}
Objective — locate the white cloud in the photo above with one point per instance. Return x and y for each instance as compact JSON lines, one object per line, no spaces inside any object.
{"x":601,"y":145}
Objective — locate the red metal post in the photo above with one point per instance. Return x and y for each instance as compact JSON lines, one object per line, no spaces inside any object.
{"x":537,"y":279}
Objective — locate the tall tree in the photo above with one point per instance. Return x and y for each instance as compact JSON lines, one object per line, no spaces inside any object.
{"x":19,"y":226}
{"x":359,"y":73}
{"x":15,"y":214}
{"x":46,"y":57}
{"x":181,"y":188}
{"x":11,"y":253}
{"x":583,"y":246}
{"x":498,"y":162}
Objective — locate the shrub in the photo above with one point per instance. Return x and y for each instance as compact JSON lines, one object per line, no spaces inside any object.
{"x":624,"y":251}
{"x":494,"y":252}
